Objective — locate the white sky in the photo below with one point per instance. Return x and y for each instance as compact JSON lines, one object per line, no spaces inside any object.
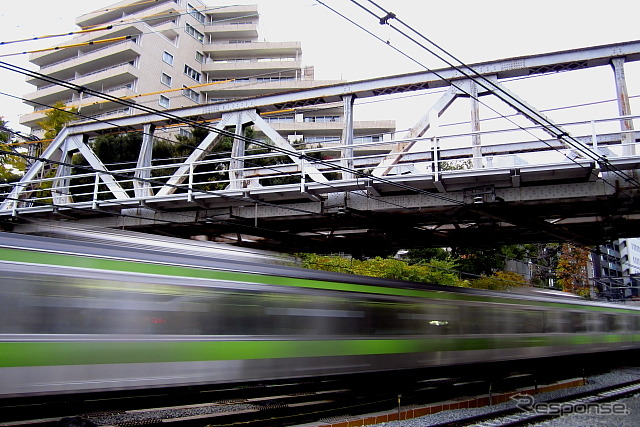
{"x":472,"y":30}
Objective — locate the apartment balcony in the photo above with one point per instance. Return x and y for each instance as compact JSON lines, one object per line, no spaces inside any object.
{"x":98,"y":59}
{"x":89,"y":106}
{"x":128,"y":9}
{"x":232,"y":30}
{"x":168,"y":29}
{"x":221,"y":50}
{"x":108,"y":77}
{"x":232,"y":12}
{"x":219,"y":69}
{"x":243,"y":89}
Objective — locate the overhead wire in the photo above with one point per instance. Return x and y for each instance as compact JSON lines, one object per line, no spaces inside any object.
{"x":229,"y":134}
{"x":226,"y":133}
{"x":108,"y":27}
{"x":560,"y":135}
{"x":289,"y":153}
{"x":483,"y":81}
{"x":189,"y":121}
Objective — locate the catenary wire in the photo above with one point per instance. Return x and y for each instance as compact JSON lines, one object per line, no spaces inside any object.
{"x":222,"y":132}
{"x":264,"y":146}
{"x":559,"y":134}
{"x":230,"y":134}
{"x":515,"y":103}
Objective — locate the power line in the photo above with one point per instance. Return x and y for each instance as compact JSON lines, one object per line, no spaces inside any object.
{"x":549,"y":126}
{"x":222,"y":132}
{"x":487,"y":84}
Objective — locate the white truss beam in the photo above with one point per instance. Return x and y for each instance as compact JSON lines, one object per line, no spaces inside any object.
{"x":210,"y":141}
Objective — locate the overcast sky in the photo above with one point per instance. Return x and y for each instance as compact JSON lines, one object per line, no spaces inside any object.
{"x":472,"y":30}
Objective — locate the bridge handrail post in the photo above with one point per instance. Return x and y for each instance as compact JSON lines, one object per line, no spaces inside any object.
{"x":96,"y":183}
{"x":303,"y":181}
{"x":435,"y":155}
{"x":190,"y":189}
{"x":594,"y":137}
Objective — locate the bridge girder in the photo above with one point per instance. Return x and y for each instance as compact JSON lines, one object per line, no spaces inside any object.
{"x":407,"y":192}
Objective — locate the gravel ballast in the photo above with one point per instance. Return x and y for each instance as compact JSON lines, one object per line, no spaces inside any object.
{"x":595,"y":382}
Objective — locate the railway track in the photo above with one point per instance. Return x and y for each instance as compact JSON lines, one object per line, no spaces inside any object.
{"x":290,"y":402}
{"x":255,"y":405}
{"x":528,"y":412}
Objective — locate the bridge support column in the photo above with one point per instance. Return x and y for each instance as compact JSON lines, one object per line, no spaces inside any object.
{"x":624,"y":108}
{"x":141,"y":184}
{"x":236,"y":165}
{"x":475,"y":126}
{"x":347,"y":137}
{"x":60,"y":186}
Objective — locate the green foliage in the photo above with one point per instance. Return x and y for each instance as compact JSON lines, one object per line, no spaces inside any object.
{"x":485,"y":262}
{"x":499,"y":281}
{"x":437,"y":272}
{"x":11,"y":166}
{"x":427,"y":254}
{"x":56,"y":119}
{"x":479,"y":262}
{"x":455,"y":165}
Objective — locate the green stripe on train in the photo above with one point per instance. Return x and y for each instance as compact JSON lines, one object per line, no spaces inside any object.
{"x":22,"y":354}
{"x":79,"y":261}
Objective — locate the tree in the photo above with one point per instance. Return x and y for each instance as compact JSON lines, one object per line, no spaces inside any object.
{"x":499,"y":281}
{"x":56,"y":119}
{"x":427,"y":254}
{"x":11,"y":164}
{"x":573,"y":269}
{"x":436,"y":272}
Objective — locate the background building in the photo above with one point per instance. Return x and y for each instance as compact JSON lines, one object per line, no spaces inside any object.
{"x":616,"y":267}
{"x":177,"y":53}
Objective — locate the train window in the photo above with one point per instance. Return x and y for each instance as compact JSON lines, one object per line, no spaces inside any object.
{"x":530,"y":322}
{"x":430,"y":319}
{"x":553,"y":322}
{"x":473,"y":320}
{"x":593,"y":322}
{"x":577,"y":322}
{"x":615,"y":323}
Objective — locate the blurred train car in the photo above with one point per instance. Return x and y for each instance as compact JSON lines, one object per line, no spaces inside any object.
{"x":93,"y":313}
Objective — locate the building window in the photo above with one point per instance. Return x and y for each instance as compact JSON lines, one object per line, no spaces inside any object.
{"x":167,"y":57}
{"x":191,"y":94}
{"x":185,"y":132}
{"x":194,"y":33}
{"x":163,"y":101}
{"x":192,"y":73}
{"x":322,"y":119}
{"x":285,"y":119}
{"x":195,"y":13}
{"x":166,"y":79}
{"x":200,"y":57}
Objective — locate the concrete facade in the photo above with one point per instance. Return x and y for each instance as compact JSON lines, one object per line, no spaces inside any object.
{"x":177,"y":53}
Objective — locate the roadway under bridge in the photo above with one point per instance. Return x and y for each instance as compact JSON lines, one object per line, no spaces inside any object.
{"x":528,"y":180}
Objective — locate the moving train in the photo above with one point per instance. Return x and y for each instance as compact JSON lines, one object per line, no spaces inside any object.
{"x":92,"y":311}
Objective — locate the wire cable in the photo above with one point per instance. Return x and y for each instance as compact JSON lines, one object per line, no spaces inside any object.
{"x":515,"y":103}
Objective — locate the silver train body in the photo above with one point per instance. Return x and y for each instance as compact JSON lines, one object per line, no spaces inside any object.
{"x":96,"y":313}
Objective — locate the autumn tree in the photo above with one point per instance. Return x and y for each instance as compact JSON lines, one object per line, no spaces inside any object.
{"x":572,"y":270}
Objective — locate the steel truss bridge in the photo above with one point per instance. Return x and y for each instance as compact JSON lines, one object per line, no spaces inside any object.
{"x":528,"y":180}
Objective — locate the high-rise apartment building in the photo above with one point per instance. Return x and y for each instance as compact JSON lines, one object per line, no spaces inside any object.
{"x":616,"y":268}
{"x":175,"y":53}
